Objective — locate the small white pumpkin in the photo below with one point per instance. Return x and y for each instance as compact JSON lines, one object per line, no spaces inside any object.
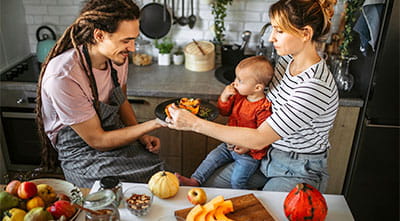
{"x":164,"y":184}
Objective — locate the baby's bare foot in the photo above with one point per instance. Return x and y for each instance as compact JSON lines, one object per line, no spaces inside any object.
{"x":184,"y":181}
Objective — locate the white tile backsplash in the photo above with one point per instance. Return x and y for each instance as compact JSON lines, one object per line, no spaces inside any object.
{"x":35,"y":9}
{"x":241,"y":15}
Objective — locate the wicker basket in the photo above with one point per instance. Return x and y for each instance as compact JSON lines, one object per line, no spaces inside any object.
{"x":195,"y":60}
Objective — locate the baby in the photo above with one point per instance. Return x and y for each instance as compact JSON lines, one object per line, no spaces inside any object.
{"x":246,"y":105}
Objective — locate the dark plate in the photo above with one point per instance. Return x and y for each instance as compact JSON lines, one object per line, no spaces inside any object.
{"x":204,"y":105}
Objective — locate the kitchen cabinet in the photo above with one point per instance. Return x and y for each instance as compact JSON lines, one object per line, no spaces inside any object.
{"x":14,"y":41}
{"x":341,"y":139}
{"x":183,"y":151}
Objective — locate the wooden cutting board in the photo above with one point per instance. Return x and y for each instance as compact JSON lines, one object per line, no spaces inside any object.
{"x":246,"y":208}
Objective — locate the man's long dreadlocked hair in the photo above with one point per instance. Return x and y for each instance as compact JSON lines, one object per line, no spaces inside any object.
{"x":105,"y":15}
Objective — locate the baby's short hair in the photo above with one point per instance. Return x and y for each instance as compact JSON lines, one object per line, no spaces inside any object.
{"x":260,"y":66}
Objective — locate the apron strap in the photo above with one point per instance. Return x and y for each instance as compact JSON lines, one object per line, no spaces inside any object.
{"x":114,"y":74}
{"x":92,"y":79}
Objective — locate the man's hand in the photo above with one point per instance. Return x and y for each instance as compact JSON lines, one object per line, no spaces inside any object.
{"x":152,"y":143}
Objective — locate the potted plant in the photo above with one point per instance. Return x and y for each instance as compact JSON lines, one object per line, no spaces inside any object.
{"x":351,"y":11}
{"x":164,"y":51}
{"x":177,"y":57}
{"x":344,"y":79}
{"x":218,"y":9}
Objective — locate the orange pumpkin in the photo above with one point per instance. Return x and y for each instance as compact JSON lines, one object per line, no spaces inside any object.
{"x":305,"y":202}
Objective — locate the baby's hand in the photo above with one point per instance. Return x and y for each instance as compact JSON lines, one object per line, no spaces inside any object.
{"x":228,"y":91}
{"x":241,"y":150}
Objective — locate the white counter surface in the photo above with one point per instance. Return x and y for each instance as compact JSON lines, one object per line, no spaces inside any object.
{"x":273,"y":202}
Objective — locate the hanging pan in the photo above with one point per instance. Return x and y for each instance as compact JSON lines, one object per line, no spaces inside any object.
{"x":155,"y":20}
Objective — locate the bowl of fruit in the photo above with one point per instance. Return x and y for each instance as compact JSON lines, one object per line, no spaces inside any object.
{"x":44,"y":199}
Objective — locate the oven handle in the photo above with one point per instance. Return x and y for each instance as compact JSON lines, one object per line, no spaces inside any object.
{"x":19,"y":115}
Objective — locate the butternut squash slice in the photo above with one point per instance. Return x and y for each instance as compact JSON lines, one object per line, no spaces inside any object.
{"x":222,"y":209}
{"x":209,"y":207}
{"x":210,"y":216}
{"x":194,"y":212}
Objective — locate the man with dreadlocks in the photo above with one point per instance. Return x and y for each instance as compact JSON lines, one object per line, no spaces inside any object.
{"x":82,"y":109}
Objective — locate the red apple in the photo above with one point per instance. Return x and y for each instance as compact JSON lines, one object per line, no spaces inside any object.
{"x":197,"y":196}
{"x":27,"y":190}
{"x":62,"y":208}
{"x":12,"y":187}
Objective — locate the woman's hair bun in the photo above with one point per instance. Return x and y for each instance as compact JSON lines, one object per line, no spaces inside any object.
{"x":327,"y":7}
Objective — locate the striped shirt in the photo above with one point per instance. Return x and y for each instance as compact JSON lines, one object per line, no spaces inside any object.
{"x":303,"y":107}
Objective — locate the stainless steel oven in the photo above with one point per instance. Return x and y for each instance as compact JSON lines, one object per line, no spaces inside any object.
{"x":20,"y":142}
{"x":18,"y":132}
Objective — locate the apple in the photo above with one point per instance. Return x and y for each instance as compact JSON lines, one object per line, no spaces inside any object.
{"x":46,"y":192}
{"x":197,"y":196}
{"x":62,"y":208}
{"x":12,"y":187}
{"x":27,"y":190}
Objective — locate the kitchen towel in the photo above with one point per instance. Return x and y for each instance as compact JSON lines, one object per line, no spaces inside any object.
{"x":368,"y":24}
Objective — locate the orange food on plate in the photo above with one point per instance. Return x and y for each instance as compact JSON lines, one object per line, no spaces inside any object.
{"x":190,"y":104}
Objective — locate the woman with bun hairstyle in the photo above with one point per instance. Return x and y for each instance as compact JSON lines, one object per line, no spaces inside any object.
{"x":304,"y":100}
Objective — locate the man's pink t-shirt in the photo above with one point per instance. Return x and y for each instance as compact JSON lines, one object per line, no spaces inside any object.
{"x":66,"y":95}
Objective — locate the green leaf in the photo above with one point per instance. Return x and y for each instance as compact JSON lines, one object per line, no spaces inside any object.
{"x":165,"y":46}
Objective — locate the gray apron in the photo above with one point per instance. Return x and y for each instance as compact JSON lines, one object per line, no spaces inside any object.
{"x":83,"y":165}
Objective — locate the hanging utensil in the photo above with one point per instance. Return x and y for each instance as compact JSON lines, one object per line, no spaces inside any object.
{"x":152,"y":22}
{"x":192,"y":17}
{"x":183,"y":20}
{"x":174,"y":18}
{"x":165,"y":11}
{"x":245,"y":37}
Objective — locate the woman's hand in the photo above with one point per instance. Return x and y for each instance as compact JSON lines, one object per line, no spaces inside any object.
{"x":152,"y":143}
{"x":161,"y":123}
{"x":228,"y":91}
{"x":181,"y":119}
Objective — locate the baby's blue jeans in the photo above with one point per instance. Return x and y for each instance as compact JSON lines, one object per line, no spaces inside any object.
{"x":244,"y":166}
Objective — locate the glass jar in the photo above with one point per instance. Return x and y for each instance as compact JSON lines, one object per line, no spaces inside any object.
{"x":102,"y":200}
{"x":112,"y":183}
{"x":344,"y":79}
{"x":143,"y":53}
